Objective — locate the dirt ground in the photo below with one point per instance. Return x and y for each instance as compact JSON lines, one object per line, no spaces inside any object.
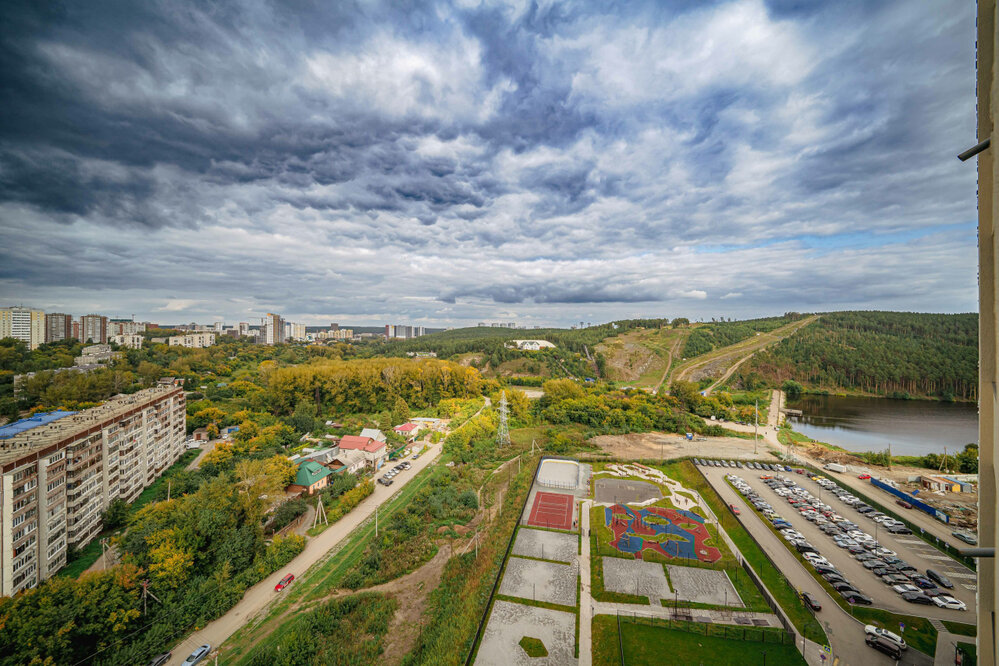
{"x":628,"y":359}
{"x":652,"y":445}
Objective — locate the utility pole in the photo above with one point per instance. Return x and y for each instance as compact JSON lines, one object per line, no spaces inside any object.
{"x":376,"y":522}
{"x":503,"y":431}
{"x":169,"y":483}
{"x":147,"y":593}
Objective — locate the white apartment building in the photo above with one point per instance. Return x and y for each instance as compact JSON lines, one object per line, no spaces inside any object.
{"x":130,"y":341}
{"x":60,"y":471}
{"x":24,"y":324}
{"x":193,"y":340}
{"x":296,"y":331}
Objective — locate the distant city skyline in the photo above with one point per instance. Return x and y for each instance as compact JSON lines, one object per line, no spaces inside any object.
{"x":445,"y":164}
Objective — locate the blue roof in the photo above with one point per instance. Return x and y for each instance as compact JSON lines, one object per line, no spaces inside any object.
{"x":40,"y":419}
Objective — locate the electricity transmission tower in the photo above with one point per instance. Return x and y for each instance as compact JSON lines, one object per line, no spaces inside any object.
{"x":503,"y":432}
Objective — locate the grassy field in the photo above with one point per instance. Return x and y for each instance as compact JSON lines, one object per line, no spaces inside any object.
{"x":659,"y":645}
{"x":970,"y":653}
{"x":783,"y":592}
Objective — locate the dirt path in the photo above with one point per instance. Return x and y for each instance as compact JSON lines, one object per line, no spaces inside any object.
{"x":673,"y":353}
{"x":205,"y":449}
{"x":728,"y":358}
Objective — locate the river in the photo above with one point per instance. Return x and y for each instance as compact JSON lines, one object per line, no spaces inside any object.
{"x":912,"y":427}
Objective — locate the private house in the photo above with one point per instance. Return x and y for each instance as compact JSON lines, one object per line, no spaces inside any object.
{"x":407,"y":429}
{"x":311,"y":477}
{"x":374,"y":451}
{"x":200,"y":435}
{"x":373,"y":433}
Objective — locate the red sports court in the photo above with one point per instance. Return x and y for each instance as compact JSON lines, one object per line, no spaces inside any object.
{"x":551,"y":510}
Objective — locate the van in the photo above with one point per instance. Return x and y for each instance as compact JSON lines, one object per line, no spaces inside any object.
{"x":885,"y":645}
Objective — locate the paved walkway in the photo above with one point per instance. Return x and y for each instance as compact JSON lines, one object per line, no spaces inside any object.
{"x":666,"y":613}
{"x":586,"y":593}
{"x":259,"y":597}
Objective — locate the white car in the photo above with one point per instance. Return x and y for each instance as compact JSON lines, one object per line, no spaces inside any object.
{"x":944,"y":601}
{"x":902,"y":589}
{"x":871,"y":630}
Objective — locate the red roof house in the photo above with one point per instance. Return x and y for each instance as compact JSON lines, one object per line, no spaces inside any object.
{"x":374,"y":451}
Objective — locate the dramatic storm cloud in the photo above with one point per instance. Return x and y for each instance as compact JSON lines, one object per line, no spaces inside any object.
{"x":447,"y":163}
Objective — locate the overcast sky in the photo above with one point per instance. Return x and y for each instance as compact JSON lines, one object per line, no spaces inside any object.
{"x":445,"y":164}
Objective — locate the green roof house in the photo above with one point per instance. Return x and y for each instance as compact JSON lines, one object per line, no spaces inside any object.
{"x":311,"y":477}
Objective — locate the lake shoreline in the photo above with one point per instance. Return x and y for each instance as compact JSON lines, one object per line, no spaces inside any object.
{"x":861,"y":423}
{"x":851,"y":393}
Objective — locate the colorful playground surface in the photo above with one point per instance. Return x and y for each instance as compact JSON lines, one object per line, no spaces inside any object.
{"x":552,"y":510}
{"x":670,"y":532}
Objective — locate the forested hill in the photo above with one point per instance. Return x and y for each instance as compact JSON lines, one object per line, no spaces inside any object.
{"x":885,"y":353}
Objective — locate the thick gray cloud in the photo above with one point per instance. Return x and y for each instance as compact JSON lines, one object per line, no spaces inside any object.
{"x":448,"y":163}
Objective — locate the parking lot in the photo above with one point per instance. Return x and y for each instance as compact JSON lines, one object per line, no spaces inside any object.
{"x":905,"y":557}
{"x":845,"y":633}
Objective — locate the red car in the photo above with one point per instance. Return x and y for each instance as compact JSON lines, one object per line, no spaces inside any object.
{"x":735,"y":509}
{"x":284,"y":582}
{"x":903,"y":504}
{"x":863,"y":477}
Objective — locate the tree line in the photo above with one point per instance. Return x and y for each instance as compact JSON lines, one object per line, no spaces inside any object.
{"x":896,"y":354}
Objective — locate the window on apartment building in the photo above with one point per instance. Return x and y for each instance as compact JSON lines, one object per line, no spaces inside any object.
{"x":56,"y":457}
{"x":52,"y":485}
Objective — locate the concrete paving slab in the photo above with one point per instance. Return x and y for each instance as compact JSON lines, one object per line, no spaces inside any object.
{"x":546,"y":545}
{"x":540,"y":581}
{"x":509,"y":622}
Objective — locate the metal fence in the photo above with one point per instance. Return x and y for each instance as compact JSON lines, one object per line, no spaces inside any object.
{"x":499,"y":574}
{"x":761,"y":635}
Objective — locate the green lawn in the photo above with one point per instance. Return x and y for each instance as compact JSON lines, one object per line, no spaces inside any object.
{"x":533,"y":647}
{"x":970,"y":653}
{"x":961,"y":628}
{"x":659,"y":645}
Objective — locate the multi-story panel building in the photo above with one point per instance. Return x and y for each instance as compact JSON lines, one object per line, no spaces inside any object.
{"x":194,"y":340}
{"x":131,"y":341}
{"x":60,"y":471}
{"x":125,"y":327}
{"x":272,"y":329}
{"x":297,"y":331}
{"x":24,"y":324}
{"x":58,"y":326}
{"x":94,"y":328}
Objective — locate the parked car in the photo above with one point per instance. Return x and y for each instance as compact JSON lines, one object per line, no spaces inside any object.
{"x":945,"y":601}
{"x":939,"y":579}
{"x":159,"y":660}
{"x":872,"y":630}
{"x":843,"y":588}
{"x":810,"y":601}
{"x":967,"y":538}
{"x":923,"y":582}
{"x":857,"y":598}
{"x":385,"y":481}
{"x":917,"y":598}
{"x":884,"y":645}
{"x":198,"y":655}
{"x":284,"y":582}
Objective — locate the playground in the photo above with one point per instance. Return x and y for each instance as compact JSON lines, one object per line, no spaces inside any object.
{"x":552,"y":510}
{"x":675,"y":533}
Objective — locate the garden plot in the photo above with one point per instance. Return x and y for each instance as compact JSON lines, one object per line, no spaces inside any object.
{"x":540,"y":581}
{"x":703,"y":586}
{"x":510,"y":622}
{"x":546,"y":545}
{"x":645,"y":579}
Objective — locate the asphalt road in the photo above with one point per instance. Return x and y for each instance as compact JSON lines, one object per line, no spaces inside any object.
{"x":846,"y":635}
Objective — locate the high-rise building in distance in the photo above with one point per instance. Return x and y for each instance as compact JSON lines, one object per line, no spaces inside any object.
{"x":58,"y":326}
{"x":25,"y":324}
{"x":93,"y":328}
{"x":272,"y":329}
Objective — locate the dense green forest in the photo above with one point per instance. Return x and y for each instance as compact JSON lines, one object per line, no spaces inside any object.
{"x":896,"y":354}
{"x":717,"y":334}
